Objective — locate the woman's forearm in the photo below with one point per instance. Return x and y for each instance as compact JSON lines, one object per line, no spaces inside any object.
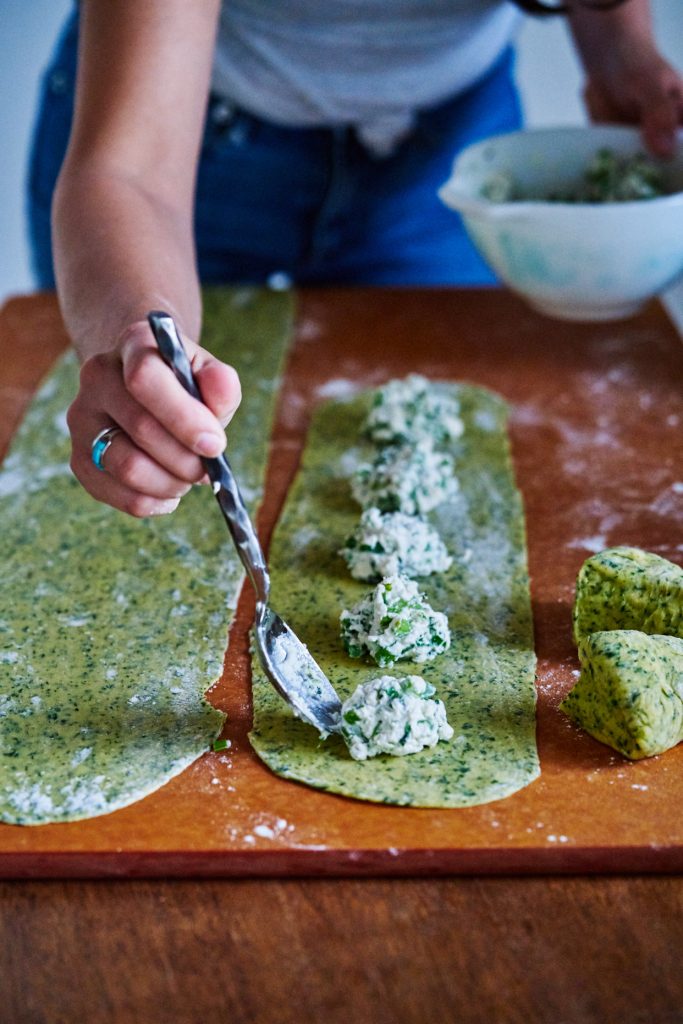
{"x":124,"y":201}
{"x":123,"y":244}
{"x":119,"y":252}
{"x":597,"y":32}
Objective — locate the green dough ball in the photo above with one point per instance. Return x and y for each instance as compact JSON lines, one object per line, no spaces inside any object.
{"x":630,"y":691}
{"x":626,"y":588}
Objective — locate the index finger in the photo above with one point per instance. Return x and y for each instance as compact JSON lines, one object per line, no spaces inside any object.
{"x":156,"y":389}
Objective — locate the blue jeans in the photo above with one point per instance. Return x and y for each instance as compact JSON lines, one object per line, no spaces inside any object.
{"x":311,"y":203}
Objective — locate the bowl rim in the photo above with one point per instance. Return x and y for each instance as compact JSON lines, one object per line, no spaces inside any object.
{"x":625,"y":131}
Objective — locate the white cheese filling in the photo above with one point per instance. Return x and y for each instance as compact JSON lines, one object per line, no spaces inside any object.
{"x":405,"y":478}
{"x":392,"y":543}
{"x":390,"y":715}
{"x":395,"y":622}
{"x":405,"y":411}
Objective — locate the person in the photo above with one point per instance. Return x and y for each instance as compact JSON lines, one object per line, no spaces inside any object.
{"x":234,"y":142}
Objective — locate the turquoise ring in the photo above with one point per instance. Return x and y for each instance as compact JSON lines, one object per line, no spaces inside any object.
{"x":101,"y":444}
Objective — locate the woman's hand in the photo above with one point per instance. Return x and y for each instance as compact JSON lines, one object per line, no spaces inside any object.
{"x":638,"y":87}
{"x":627,"y":79}
{"x":155,"y":459}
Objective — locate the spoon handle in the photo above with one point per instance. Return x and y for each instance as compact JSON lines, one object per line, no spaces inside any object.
{"x":218,"y":469}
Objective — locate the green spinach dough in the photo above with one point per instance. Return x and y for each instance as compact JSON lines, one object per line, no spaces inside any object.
{"x":111,"y":628}
{"x":630,"y":691}
{"x":486,"y":677}
{"x":626,"y":588}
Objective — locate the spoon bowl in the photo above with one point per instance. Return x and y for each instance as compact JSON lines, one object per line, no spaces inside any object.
{"x":294,"y":673}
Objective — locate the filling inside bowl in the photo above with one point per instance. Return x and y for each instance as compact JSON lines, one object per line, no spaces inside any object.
{"x":609,"y":178}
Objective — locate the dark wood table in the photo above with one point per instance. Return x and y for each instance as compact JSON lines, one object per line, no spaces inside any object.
{"x":496,"y":950}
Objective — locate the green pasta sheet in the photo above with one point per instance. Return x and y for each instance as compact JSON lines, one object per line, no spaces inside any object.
{"x":112,"y":628}
{"x":486,"y":679}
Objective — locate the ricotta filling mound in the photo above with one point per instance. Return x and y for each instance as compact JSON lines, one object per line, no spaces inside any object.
{"x":395,"y":622}
{"x":406,"y":411}
{"x":413,"y":479}
{"x":393,"y":715}
{"x":392,"y":543}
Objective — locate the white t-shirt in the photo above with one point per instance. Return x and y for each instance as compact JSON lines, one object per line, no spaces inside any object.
{"x":369,"y":64}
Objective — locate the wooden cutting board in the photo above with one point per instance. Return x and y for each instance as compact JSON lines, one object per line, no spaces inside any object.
{"x":598,"y":446}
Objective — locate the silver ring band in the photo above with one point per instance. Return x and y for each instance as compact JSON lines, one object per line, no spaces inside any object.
{"x":100,"y":445}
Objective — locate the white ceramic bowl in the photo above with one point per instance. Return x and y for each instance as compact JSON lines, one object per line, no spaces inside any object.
{"x":575,"y":261}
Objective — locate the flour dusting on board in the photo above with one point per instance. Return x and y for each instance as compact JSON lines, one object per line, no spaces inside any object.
{"x":596,"y":543}
{"x":340,"y":388}
{"x":600,"y":435}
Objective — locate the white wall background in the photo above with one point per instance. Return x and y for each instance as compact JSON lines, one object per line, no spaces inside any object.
{"x":549,"y":78}
{"x":29,"y":29}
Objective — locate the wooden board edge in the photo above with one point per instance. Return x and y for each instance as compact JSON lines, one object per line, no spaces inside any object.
{"x":373,"y":863}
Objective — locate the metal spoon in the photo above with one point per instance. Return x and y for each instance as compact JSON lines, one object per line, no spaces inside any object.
{"x":285,"y":660}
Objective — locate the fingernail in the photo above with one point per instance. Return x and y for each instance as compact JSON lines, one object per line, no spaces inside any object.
{"x":209,"y":444}
{"x":165,"y":507}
